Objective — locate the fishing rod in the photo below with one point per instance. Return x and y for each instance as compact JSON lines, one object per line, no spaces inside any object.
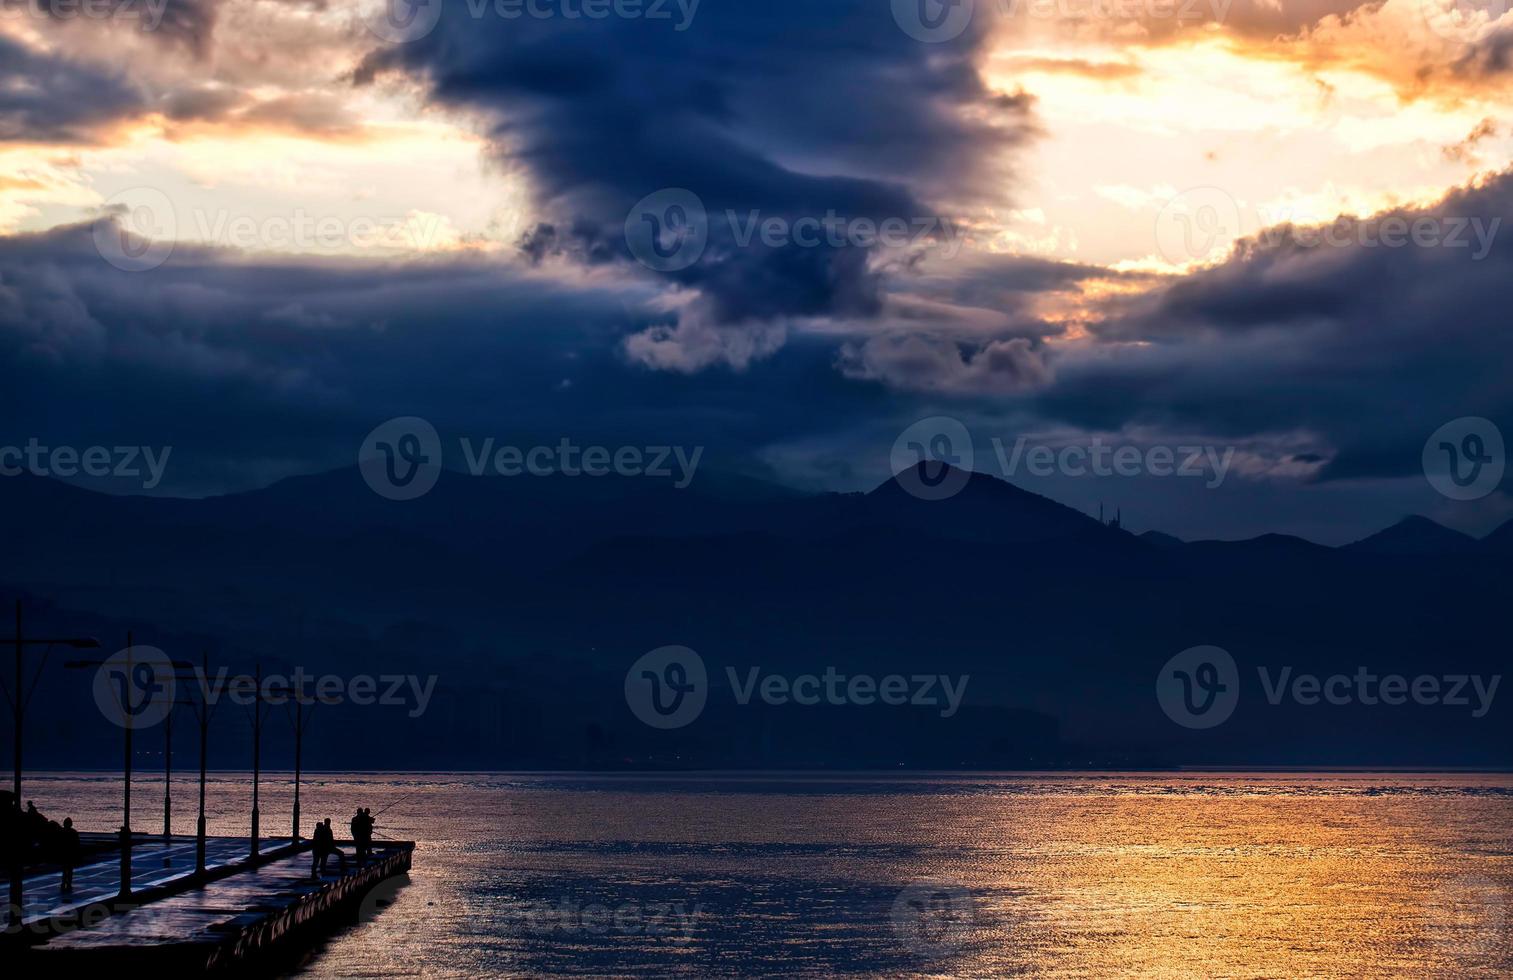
{"x":398,"y":801}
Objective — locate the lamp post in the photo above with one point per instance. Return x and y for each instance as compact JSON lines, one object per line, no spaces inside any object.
{"x":300,"y":701}
{"x":128,"y":725}
{"x":167,"y":782}
{"x":257,"y":751}
{"x":18,"y":700}
{"x":203,"y":708}
{"x":259,"y":701}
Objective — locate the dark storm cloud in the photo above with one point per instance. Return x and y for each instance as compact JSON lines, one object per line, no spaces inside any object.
{"x":921,"y":362}
{"x":189,"y":22}
{"x":1491,"y":55}
{"x":66,"y":98}
{"x":1367,"y":345}
{"x":186,"y":23}
{"x":1005,"y":282}
{"x":48,"y":99}
{"x":256,"y":368}
{"x":785,"y":110}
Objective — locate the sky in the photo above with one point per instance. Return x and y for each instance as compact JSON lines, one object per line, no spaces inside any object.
{"x":785,"y":231}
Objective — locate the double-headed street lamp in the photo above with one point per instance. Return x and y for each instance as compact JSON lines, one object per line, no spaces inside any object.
{"x":263,"y":695}
{"x":300,"y":718}
{"x":128,"y":724}
{"x":202,"y":710}
{"x":203,"y":707}
{"x":18,"y":700}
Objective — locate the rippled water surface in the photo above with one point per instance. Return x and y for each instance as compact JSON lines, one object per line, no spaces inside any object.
{"x":1192,"y":875}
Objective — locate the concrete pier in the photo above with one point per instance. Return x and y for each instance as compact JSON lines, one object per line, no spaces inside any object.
{"x":242,"y":914}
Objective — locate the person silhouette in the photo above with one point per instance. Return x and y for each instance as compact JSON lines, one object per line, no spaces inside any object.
{"x":68,"y":853}
{"x":317,"y":848}
{"x":325,"y":847}
{"x":362,"y":834}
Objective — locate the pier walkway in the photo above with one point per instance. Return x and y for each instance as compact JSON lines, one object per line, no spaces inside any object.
{"x":242,"y":913}
{"x":152,"y":864}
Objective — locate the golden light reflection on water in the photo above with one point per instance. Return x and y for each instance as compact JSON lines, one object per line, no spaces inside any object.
{"x":1197,"y":875}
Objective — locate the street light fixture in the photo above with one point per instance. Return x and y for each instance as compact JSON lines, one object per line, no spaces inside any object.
{"x":300,"y":718}
{"x":203,"y":706}
{"x":258,"y":703}
{"x":127,"y":727}
{"x":203,"y":709}
{"x":18,"y":701}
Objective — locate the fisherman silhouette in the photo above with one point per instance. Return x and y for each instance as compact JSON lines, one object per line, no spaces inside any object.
{"x":68,"y":853}
{"x":323,"y":846}
{"x":362,"y":834}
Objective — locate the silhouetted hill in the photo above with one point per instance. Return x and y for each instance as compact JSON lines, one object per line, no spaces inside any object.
{"x":985,"y":509}
{"x":1416,"y":535}
{"x":530,"y":597}
{"x":1162,"y":540}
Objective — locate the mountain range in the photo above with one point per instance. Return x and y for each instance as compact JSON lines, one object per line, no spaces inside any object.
{"x":530,"y":597}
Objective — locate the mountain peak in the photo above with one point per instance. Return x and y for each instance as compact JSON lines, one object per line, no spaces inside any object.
{"x":968,"y":505}
{"x":1414,"y":535}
